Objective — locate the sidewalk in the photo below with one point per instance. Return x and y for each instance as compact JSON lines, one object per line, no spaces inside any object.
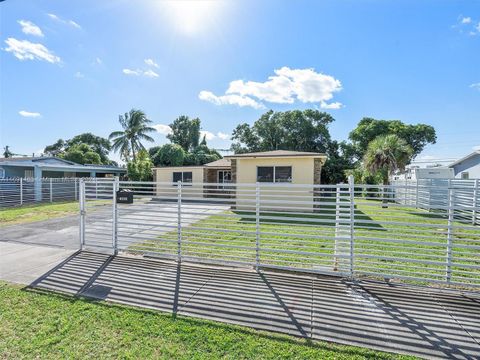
{"x":419,"y":321}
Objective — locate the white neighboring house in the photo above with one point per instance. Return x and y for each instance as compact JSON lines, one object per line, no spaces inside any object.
{"x":467,"y":167}
{"x":416,"y":173}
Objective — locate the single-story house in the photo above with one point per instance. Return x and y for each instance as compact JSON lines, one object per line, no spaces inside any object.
{"x":295,"y":167}
{"x":37,"y":168}
{"x":53,"y":167}
{"x":467,"y":167}
{"x":278,"y":166}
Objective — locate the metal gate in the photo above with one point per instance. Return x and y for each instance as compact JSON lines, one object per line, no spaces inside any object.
{"x":352,"y":230}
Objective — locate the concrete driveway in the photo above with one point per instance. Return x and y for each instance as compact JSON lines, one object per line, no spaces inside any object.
{"x":136,"y":223}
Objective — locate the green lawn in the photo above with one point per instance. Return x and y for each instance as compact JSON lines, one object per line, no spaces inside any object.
{"x":378,"y":243}
{"x":37,"y":212}
{"x":37,"y":325}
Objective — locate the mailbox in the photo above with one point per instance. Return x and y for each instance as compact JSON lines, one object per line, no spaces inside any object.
{"x":124,"y":197}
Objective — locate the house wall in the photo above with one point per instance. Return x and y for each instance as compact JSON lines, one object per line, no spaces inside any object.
{"x":470,"y":165}
{"x":169,"y":190}
{"x":302,"y":169}
{"x":16,"y":171}
{"x":305,"y":171}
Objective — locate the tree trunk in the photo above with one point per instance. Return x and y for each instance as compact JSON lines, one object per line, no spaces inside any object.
{"x":384,"y":192}
{"x":133,"y":150}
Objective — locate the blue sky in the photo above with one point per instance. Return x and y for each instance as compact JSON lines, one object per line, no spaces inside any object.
{"x":69,"y":67}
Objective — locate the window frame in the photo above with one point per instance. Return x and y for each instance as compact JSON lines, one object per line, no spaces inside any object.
{"x":274,"y":174}
{"x":465,"y":175}
{"x":186,"y":183}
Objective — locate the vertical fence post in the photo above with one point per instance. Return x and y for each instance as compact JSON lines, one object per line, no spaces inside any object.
{"x":96,"y":189}
{"x":179,"y":221}
{"x":450,"y":192}
{"x":351,"y":188}
{"x":21,"y":191}
{"x":51,"y":190}
{"x":82,"y":213}
{"x":475,"y":203}
{"x":115,"y":188}
{"x":337,"y":228}
{"x":416,"y":193}
{"x":76,"y":188}
{"x":257,"y":225}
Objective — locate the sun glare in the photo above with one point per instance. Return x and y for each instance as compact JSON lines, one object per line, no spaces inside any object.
{"x":191,"y":16}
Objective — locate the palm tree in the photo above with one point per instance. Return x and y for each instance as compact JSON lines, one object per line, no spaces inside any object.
{"x":385,"y":154}
{"x":135,"y":128}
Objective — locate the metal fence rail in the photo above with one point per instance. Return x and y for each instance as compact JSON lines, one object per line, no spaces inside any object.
{"x":25,"y":191}
{"x":350,"y":229}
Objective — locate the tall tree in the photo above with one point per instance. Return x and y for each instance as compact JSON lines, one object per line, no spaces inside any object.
{"x":98,"y":144}
{"x":140,"y":169}
{"x":416,"y":136}
{"x":82,"y":154}
{"x":169,"y":155}
{"x":185,"y":132}
{"x":128,"y":141}
{"x":55,"y":149}
{"x":290,"y":130}
{"x":387,"y":153}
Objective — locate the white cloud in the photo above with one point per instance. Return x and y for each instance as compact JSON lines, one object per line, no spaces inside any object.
{"x":478,"y":27}
{"x":466,"y":20}
{"x":475,"y":86}
{"x":223,"y":136}
{"x":150,"y":73}
{"x":63,"y":21}
{"x":334,"y":105}
{"x":229,"y":99}
{"x":30,"y":28}
{"x":26,"y":50}
{"x":139,"y":72}
{"x":285,"y":87}
{"x":163,"y":129}
{"x":25,"y":113}
{"x":208,"y":135}
{"x":131,"y":72}
{"x":79,"y":75}
{"x":151,"y":62}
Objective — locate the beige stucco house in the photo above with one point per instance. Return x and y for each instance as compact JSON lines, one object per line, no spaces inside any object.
{"x":278,"y":166}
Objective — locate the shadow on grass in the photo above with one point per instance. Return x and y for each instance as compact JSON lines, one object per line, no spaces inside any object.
{"x":324,"y":216}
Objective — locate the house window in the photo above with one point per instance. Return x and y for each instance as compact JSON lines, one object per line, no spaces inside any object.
{"x":183,"y":176}
{"x":274,"y":174}
{"x":465,"y":175}
{"x":28,"y":174}
{"x":2,"y":173}
{"x":224,"y":176}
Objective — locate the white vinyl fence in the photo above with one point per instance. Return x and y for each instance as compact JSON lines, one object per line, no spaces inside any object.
{"x":352,"y":230}
{"x":25,"y":191}
{"x":433,"y":194}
